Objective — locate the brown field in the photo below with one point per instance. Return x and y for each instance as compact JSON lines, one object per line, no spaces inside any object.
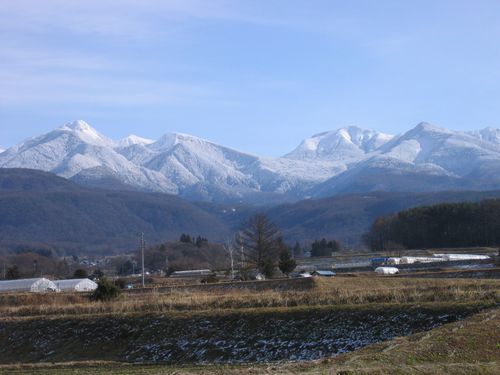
{"x":470,"y":346}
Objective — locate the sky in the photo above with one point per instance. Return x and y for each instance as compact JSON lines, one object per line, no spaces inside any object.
{"x":258,"y":75}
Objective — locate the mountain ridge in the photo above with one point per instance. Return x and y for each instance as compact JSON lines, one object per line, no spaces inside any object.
{"x":349,"y":159}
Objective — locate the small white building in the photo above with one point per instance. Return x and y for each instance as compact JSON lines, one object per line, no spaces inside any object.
{"x":393,"y":260}
{"x":76,"y":285}
{"x":387,"y":270}
{"x":37,"y":285}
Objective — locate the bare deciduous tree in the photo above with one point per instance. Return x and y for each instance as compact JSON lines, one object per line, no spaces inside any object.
{"x":260,"y":241}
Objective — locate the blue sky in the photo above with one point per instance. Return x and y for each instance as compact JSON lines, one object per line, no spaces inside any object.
{"x":257,"y":75}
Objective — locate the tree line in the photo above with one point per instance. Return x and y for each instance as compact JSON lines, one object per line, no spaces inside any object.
{"x":463,"y":224}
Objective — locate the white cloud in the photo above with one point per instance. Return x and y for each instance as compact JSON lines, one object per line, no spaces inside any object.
{"x":47,"y":53}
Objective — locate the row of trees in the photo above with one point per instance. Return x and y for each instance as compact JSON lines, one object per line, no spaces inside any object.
{"x":198,"y":241}
{"x":444,"y":225}
{"x":320,"y":248}
{"x":29,"y":264}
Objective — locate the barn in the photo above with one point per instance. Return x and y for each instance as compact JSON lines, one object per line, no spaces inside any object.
{"x":76,"y":285}
{"x":36,"y":285}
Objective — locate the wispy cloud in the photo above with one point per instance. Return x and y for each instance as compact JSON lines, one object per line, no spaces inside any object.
{"x":48,"y":53}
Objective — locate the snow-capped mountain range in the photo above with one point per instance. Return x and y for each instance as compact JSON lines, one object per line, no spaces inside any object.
{"x":426,"y":158}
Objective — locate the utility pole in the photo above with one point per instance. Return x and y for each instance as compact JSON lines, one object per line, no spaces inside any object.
{"x":230,"y":250}
{"x":142,"y":253}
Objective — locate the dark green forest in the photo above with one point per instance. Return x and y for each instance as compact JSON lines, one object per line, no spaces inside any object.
{"x":464,"y":224}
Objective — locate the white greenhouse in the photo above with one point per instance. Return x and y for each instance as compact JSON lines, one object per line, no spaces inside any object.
{"x":38,"y":285}
{"x":76,"y":285}
{"x":454,"y":257}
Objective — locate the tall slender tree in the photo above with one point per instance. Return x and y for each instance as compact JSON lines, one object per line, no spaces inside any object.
{"x":260,"y":239}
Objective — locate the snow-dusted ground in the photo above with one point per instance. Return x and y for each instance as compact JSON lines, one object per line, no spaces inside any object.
{"x":228,"y":338}
{"x":330,"y":162}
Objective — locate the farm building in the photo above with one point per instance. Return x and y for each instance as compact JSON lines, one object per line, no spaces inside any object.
{"x":387,"y":270}
{"x":323,"y":273}
{"x":76,"y":285}
{"x":37,"y":285}
{"x":191,"y":273}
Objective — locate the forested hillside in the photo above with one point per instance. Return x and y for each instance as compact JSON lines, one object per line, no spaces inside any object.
{"x":42,"y":212}
{"x":463,"y":224}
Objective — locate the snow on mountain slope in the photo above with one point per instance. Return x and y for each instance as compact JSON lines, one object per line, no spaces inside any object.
{"x":344,"y":145}
{"x":202,"y":167}
{"x":426,"y":157}
{"x":1,"y":150}
{"x":487,"y":134}
{"x":75,"y":147}
{"x":350,"y":159}
{"x":133,"y":140}
{"x":456,"y":152}
{"x":188,"y":160}
{"x":86,"y":133}
{"x":176,"y":163}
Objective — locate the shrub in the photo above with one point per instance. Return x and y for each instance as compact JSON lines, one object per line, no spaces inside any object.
{"x":210,"y":279}
{"x":105,"y":291}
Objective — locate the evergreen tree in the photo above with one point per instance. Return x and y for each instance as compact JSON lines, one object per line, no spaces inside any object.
{"x":268,"y":268}
{"x":80,"y":273}
{"x":286,"y":263}
{"x":185,"y":238}
{"x":12,"y":273}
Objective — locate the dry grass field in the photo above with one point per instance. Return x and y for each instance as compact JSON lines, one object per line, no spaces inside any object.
{"x":324,"y":292}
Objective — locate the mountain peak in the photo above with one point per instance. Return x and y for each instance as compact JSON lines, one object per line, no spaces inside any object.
{"x":342,"y":144}
{"x":428,"y":127}
{"x":169,"y":140}
{"x":86,"y":133}
{"x":133,"y":139}
{"x":79,"y":125}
